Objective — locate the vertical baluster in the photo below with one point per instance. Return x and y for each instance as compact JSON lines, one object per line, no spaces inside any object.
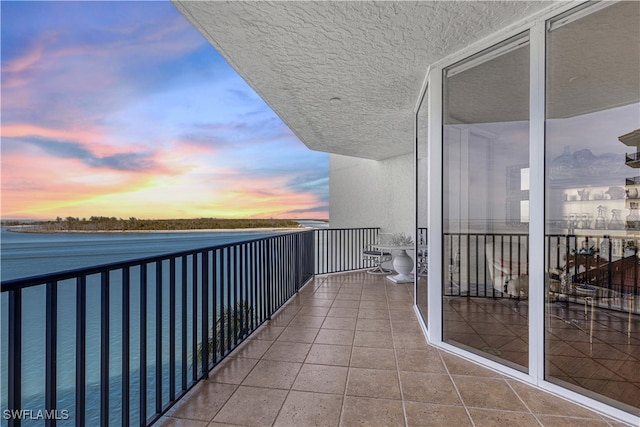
{"x":172,"y":329}
{"x":104,"y":349}
{"x":221,"y":289}
{"x":81,"y":332}
{"x":194,"y":316}
{"x":125,"y":346}
{"x":236,"y":284}
{"x":244,"y":278}
{"x":205,"y":314}
{"x":214,"y":303}
{"x":14,"y":358}
{"x":143,"y":345}
{"x":184,"y":322}
{"x":158,"y":337}
{"x":51,"y":349}
{"x":268,"y":279}
{"x":228,"y":286}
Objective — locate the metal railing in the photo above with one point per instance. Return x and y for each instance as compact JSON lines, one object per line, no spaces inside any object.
{"x":607,"y":262}
{"x":340,"y":249}
{"x":122,"y":342}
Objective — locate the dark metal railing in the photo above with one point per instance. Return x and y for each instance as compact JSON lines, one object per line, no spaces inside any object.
{"x":466,"y":259}
{"x":139,"y":334}
{"x":164,"y":322}
{"x":472,"y":262}
{"x":340,"y":249}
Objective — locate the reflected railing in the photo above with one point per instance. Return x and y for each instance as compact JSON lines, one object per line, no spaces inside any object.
{"x":119,"y":344}
{"x":603,"y":267}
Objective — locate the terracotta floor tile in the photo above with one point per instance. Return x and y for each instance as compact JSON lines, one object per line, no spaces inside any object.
{"x":287,"y":351}
{"x":409,"y":340}
{"x":343,"y":303}
{"x":310,"y":409}
{"x":374,"y":305}
{"x":426,"y":414}
{"x":252,"y":406}
{"x":304,"y":321}
{"x":273,"y":374}
{"x":167,"y":421}
{"x":373,"y":339}
{"x":303,"y":335}
{"x":360,"y":411}
{"x":373,"y":325}
{"x":373,"y":383}
{"x":203,"y":401}
{"x":233,"y":370}
{"x":342,"y":312}
{"x":459,"y":366}
{"x":329,"y":354}
{"x":348,"y":348}
{"x":346,"y":323}
{"x":373,"y":358}
{"x":314,"y":311}
{"x":334,"y":336}
{"x":557,"y":421}
{"x":543,"y":403}
{"x":488,"y":393}
{"x":424,"y":360}
{"x":493,"y":418}
{"x":372,"y":314}
{"x":267,"y":333}
{"x":428,"y":388}
{"x":321,"y":379}
{"x":252,"y":349}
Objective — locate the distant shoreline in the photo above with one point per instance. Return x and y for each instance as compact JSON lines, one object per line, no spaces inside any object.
{"x":25,"y":229}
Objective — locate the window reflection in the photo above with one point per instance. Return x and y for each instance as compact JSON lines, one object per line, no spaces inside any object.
{"x":485,"y":151}
{"x":592,"y":221}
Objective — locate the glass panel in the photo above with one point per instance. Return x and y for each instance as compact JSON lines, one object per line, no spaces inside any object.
{"x":592,"y":224}
{"x":485,"y":163}
{"x":423,"y":212}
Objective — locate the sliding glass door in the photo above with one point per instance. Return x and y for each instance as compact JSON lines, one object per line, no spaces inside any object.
{"x":592,"y":203}
{"x":485,"y":203}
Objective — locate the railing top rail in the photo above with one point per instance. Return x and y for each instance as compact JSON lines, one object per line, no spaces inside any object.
{"x":348,"y":228}
{"x":483,"y":234}
{"x":26,"y":282}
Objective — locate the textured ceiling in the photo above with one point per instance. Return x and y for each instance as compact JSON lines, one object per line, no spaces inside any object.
{"x":371,"y":55}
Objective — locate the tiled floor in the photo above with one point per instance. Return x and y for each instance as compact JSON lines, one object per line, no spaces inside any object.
{"x":348,"y":350}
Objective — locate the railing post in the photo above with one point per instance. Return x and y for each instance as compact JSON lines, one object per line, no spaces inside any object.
{"x":81,"y":350}
{"x":158,"y":323}
{"x":14,"y":362}
{"x":143,"y":345}
{"x":125,"y":345}
{"x":205,"y":314}
{"x":172,"y":329}
{"x":104,"y":348}
{"x":51,"y":350}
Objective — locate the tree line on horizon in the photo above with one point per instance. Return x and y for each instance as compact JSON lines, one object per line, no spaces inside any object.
{"x":103,"y":223}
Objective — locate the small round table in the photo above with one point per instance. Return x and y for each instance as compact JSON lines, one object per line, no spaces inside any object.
{"x":402,"y":263}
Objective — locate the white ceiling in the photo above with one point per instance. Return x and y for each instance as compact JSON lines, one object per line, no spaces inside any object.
{"x":372,"y":55}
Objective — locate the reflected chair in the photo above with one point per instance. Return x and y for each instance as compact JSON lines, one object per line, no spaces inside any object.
{"x":422,"y":258}
{"x":508,"y":268}
{"x":378,"y":255}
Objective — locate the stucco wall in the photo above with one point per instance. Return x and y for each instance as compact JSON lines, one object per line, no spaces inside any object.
{"x":369,"y":193}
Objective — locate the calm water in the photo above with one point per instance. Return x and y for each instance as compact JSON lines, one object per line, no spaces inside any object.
{"x":30,"y":254}
{"x":26,"y":254}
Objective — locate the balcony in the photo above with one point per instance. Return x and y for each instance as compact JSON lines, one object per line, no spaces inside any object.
{"x":288,"y":344}
{"x":348,"y":350}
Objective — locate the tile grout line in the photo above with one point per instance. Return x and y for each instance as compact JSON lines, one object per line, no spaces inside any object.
{"x":395,"y":355}
{"x":455,"y":386}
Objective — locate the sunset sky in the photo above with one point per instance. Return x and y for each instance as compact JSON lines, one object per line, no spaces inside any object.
{"x":123,"y":109}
